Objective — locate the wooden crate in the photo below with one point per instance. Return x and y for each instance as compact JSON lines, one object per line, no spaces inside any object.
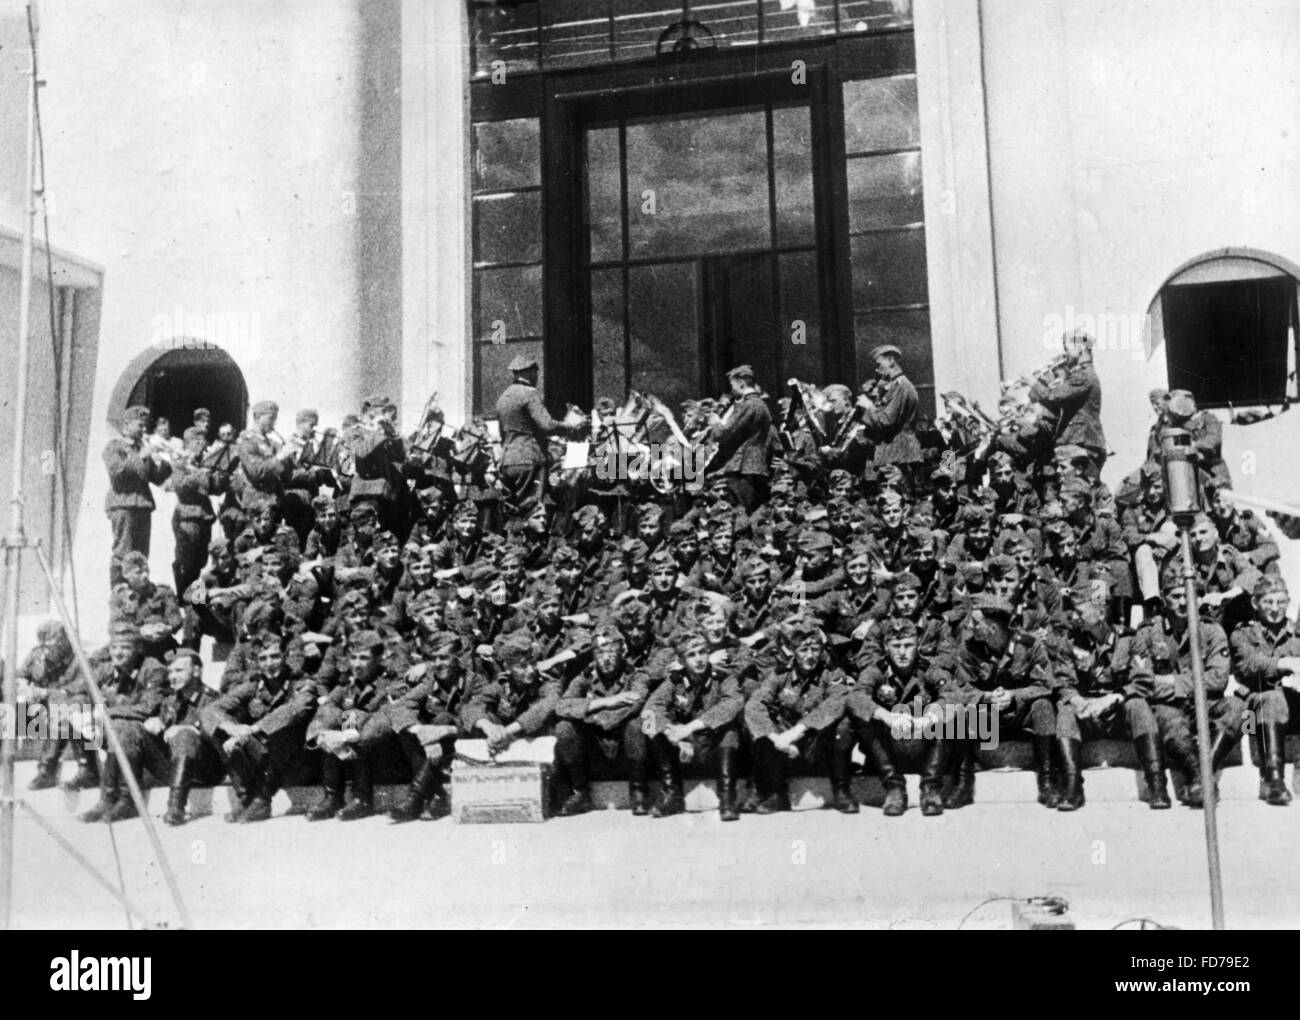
{"x":499,"y":793}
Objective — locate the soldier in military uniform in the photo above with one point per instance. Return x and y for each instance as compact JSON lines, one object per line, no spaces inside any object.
{"x":132,"y":468}
{"x":1160,"y":669}
{"x":192,"y":520}
{"x":1242,"y":530}
{"x":352,"y":731}
{"x":151,"y":607}
{"x":46,"y":677}
{"x":742,"y":439}
{"x":797,"y":715}
{"x":1074,"y":396}
{"x":194,"y":757}
{"x":259,"y":478}
{"x":1097,"y":702}
{"x":599,"y":716}
{"x":1266,"y":661}
{"x":693,"y":716}
{"x":378,"y":456}
{"x":890,"y":416}
{"x":1225,"y":576}
{"x":525,"y":425}
{"x":427,"y":720}
{"x":260,"y":725}
{"x":1149,"y":533}
{"x":133,"y":687}
{"x":1009,"y":677}
{"x":893,"y":698}
{"x":519,"y":702}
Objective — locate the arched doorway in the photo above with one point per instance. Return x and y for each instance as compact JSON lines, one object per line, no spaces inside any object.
{"x":195,"y":375}
{"x":1230,"y":323}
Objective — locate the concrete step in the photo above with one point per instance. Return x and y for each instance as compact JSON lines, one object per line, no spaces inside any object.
{"x":998,"y":786}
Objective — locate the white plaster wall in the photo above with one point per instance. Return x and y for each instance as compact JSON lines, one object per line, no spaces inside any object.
{"x":229,"y":163}
{"x":1127,"y":138}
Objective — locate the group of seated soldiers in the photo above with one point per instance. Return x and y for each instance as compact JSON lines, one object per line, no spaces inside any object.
{"x":905,"y":617}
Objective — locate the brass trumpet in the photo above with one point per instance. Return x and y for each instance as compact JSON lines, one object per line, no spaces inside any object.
{"x":1053,"y":367}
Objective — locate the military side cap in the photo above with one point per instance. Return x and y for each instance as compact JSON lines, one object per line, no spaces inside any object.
{"x":588,"y":515}
{"x":1150,"y":471}
{"x":362,"y":511}
{"x":383,"y":540}
{"x":136,"y":413}
{"x":1181,"y":403}
{"x":635,"y":551}
{"x":307,"y":414}
{"x":741,"y":372}
{"x":754,"y":566}
{"x":1070,"y":452}
{"x":370,"y":640}
{"x":1269,"y":584}
{"x":681,"y":529}
{"x":632,"y":613}
{"x":124,"y":629}
{"x":565,"y":556}
{"x":50,"y":629}
{"x":322,"y":503}
{"x":444,"y":641}
{"x":662,"y":559}
{"x":900,"y":627}
{"x":135,"y":558}
{"x":1078,"y":488}
{"x":378,"y":403}
{"x":202,"y":414}
{"x":798,"y":629}
{"x":886,"y":350}
{"x":816,"y":539}
{"x":266,"y":407}
{"x":993,"y":605}
{"x":906,"y":581}
{"x":514,"y":648}
{"x":523,"y":362}
{"x":1002,"y":565}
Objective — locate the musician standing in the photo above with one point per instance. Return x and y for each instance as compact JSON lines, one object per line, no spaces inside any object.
{"x":132,"y":468}
{"x":742,"y":441}
{"x":890,"y":418}
{"x":305,"y":477}
{"x":1075,"y":396}
{"x":525,"y":423}
{"x":378,"y":455}
{"x":259,"y":478}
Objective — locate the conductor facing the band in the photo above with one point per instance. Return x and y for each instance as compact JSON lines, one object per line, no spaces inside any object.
{"x":525,"y":424}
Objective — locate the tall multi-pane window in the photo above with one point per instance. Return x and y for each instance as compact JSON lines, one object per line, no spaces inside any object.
{"x":653,"y":235}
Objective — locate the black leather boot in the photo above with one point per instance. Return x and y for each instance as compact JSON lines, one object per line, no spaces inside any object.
{"x":101,"y":811}
{"x":87,"y":776}
{"x":1071,"y":797}
{"x":178,"y":791}
{"x":124,"y":808}
{"x":240,"y":787}
{"x":881,"y":749}
{"x":1272,"y":770}
{"x":936,"y":764}
{"x":426,"y":783}
{"x":571,"y":768}
{"x":672,"y":794}
{"x":1152,"y":759}
{"x":1048,"y":795}
{"x":362,"y":802}
{"x":773,"y":772}
{"x":727,"y":807}
{"x":842,"y":799}
{"x":331,"y":800}
{"x":47,"y":772}
{"x":962,"y":792}
{"x":1182,"y":755}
